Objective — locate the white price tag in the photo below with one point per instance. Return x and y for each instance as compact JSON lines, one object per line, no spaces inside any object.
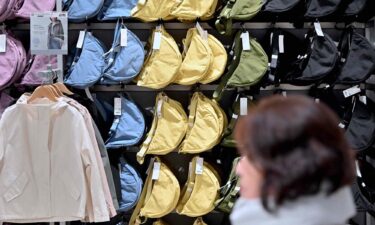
{"x":124,"y":37}
{"x":156,"y":171}
{"x":3,"y":43}
{"x":318,"y":29}
{"x":81,"y":38}
{"x":351,"y":91}
{"x":235,"y":116}
{"x":363,"y":99}
{"x":203,"y":33}
{"x":199,"y":166}
{"x":243,"y":106}
{"x":157,"y":41}
{"x":281,"y":43}
{"x":117,"y":111}
{"x":245,"y":41}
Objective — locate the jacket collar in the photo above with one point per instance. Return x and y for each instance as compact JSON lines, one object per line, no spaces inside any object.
{"x":320,"y":209}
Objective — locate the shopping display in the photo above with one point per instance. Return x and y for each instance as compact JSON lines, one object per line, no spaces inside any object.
{"x":131,"y":125}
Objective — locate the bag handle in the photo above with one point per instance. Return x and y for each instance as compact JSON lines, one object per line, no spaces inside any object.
{"x":135,"y":218}
{"x":146,"y":144}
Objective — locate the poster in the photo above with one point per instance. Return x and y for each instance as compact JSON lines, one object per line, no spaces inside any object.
{"x":49,"y":33}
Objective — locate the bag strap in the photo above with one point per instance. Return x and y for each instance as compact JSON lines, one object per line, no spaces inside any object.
{"x":224,"y":22}
{"x":146,"y":192}
{"x":189,"y":186}
{"x":237,"y":48}
{"x":146,"y":144}
{"x":192,"y":115}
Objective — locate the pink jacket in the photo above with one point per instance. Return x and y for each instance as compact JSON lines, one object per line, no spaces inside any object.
{"x":48,"y":169}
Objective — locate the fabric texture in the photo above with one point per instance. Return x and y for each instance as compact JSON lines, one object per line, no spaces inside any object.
{"x":74,"y":179}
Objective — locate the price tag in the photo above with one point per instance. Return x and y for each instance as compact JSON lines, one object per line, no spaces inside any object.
{"x":157,"y":41}
{"x":243,"y":106}
{"x":3,"y":43}
{"x":281,"y":43}
{"x":117,"y":110}
{"x":342,"y":126}
{"x":318,"y":29}
{"x":81,"y":38}
{"x":156,"y":171}
{"x":235,"y":116}
{"x":351,"y":91}
{"x":124,"y":37}
{"x":273,"y":63}
{"x":199,"y":166}
{"x":245,"y":41}
{"x":363,"y":99}
{"x":203,"y":33}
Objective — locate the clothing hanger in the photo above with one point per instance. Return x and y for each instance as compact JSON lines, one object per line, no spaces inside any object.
{"x":63,"y":88}
{"x":53,"y":91}
{"x":42,"y":92}
{"x":57,"y":90}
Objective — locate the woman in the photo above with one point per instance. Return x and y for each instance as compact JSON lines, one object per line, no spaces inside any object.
{"x":296,"y":166}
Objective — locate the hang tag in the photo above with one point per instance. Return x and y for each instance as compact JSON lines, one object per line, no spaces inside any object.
{"x":342,"y":126}
{"x":199,"y":166}
{"x":235,"y":116}
{"x":351,"y":91}
{"x":245,"y":41}
{"x":117,"y":110}
{"x":124,"y":37}
{"x":81,"y":38}
{"x":283,"y":93}
{"x":363,"y":99}
{"x":157,"y":41}
{"x":273,"y":63}
{"x":159,"y":107}
{"x":156,"y":171}
{"x":3,"y":43}
{"x":318,"y":29}
{"x":281,"y":43}
{"x":243,"y":106}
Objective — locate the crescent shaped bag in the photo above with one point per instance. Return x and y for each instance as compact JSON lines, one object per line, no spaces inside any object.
{"x":201,"y":190}
{"x":123,"y":63}
{"x":82,"y":10}
{"x":88,"y":64}
{"x":164,"y":61}
{"x":114,"y":9}
{"x":317,"y":60}
{"x":357,"y":58}
{"x":160,"y":194}
{"x":219,"y":61}
{"x":321,"y":8}
{"x":168,"y":128}
{"x":131,"y":186}
{"x":127,"y":128}
{"x":197,"y":59}
{"x":153,"y":10}
{"x":38,"y":64}
{"x":246,"y":68}
{"x":241,"y":10}
{"x":190,"y":10}
{"x":207,"y":122}
{"x":26,"y":7}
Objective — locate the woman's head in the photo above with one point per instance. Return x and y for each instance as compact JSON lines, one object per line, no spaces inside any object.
{"x":291,"y":146}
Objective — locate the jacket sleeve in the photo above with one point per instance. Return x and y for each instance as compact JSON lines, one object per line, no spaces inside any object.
{"x":98,"y":211}
{"x":2,"y":142}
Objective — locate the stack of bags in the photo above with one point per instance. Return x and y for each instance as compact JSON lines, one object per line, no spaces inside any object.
{"x":203,"y":59}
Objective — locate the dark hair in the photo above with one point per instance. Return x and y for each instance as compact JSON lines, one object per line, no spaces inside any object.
{"x":297,"y":145}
